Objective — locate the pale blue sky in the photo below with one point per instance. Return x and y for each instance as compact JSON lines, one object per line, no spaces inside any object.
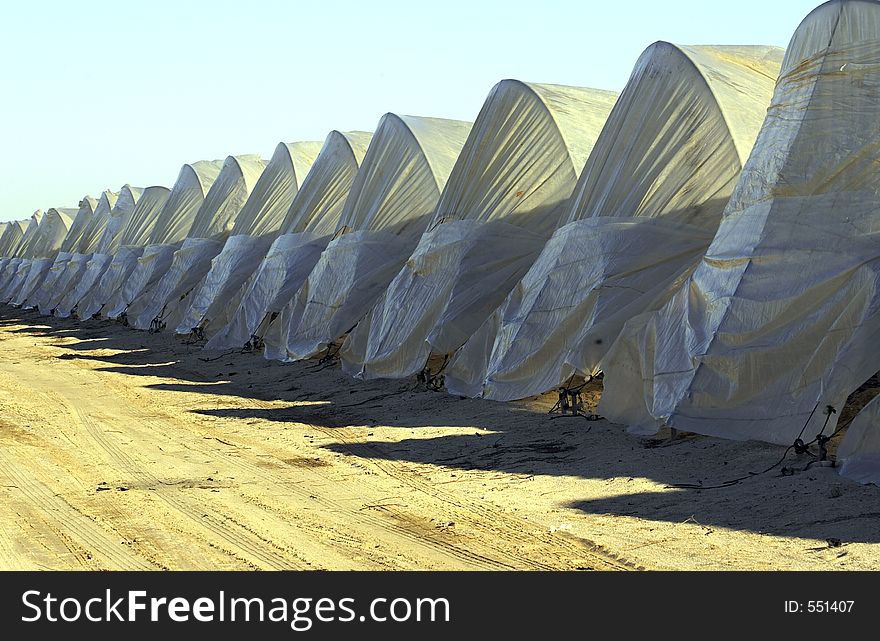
{"x":97,"y":94}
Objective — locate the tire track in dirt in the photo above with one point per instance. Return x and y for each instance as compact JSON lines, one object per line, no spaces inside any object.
{"x":81,"y":535}
{"x":416,"y":534}
{"x":234,"y":533}
{"x":231,"y":531}
{"x":510,"y":529}
{"x":479,"y":516}
{"x":487,"y":537}
{"x":307,"y":491}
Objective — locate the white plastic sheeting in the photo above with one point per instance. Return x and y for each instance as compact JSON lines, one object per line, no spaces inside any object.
{"x":161,"y":236}
{"x":390,"y":204}
{"x":138,"y":226}
{"x":80,"y":225}
{"x":82,"y":249}
{"x":103,"y":244}
{"x":16,"y":273}
{"x":859,"y":453}
{"x":506,"y":194}
{"x":304,"y":232}
{"x":121,"y":213}
{"x":780,"y":317}
{"x":255,"y":229}
{"x":12,"y":236}
{"x":646,"y":208}
{"x":10,"y":239}
{"x":191,"y":262}
{"x":43,"y":247}
{"x":29,"y":235}
{"x":30,"y":280}
{"x":18,"y":253}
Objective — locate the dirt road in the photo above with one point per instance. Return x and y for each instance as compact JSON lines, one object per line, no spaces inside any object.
{"x":125,"y":450}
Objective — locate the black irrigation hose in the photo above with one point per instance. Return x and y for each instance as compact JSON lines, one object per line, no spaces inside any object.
{"x":217,"y":358}
{"x":375,"y":398}
{"x":798,"y":445}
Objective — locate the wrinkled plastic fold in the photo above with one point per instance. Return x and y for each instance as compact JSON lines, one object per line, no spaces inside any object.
{"x":779,"y":319}
{"x":392,"y":199}
{"x":506,"y":194}
{"x":646,"y":207}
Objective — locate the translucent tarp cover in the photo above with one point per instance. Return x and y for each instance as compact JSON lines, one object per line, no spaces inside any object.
{"x":50,"y":233}
{"x":274,"y":192}
{"x":780,"y":317}
{"x":27,"y":238}
{"x":121,"y":266}
{"x":85,"y":283}
{"x":28,"y":291}
{"x":287,"y":264}
{"x":66,"y":283}
{"x":83,"y":278}
{"x":12,"y":234}
{"x":192,"y":260}
{"x":227,"y":196}
{"x":4,"y":263}
{"x":255,"y":228}
{"x":393,"y":197}
{"x":35,"y":294}
{"x":138,"y":228}
{"x":120,"y":214}
{"x":80,"y":224}
{"x":167,"y":231}
{"x":506,"y":194}
{"x":188,"y":266}
{"x":78,"y":245}
{"x":150,"y":265}
{"x":16,"y":273}
{"x":187,"y":195}
{"x":262,"y":271}
{"x":645,"y":209}
{"x":124,"y":260}
{"x":98,"y":224}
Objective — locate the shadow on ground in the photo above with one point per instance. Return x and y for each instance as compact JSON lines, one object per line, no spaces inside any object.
{"x":517,"y":438}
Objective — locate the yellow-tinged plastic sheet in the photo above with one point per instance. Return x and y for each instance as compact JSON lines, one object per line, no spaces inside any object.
{"x":70,"y":263}
{"x":392,"y":199}
{"x":255,"y":228}
{"x":104,"y":244}
{"x":162,"y":235}
{"x":505,"y":196}
{"x":136,"y":228}
{"x":43,"y":246}
{"x":646,"y":207}
{"x":780,"y":318}
{"x":192,"y":260}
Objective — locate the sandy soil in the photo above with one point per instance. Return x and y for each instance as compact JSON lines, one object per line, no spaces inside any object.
{"x":125,"y":450}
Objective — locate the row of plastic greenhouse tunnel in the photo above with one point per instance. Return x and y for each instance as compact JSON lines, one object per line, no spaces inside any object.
{"x":708,"y":240}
